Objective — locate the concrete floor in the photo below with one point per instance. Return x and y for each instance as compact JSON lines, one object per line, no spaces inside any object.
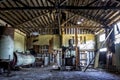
{"x":48,"y":74}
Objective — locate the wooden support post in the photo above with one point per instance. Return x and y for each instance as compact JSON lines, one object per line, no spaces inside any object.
{"x":106,"y":45}
{"x":50,"y":50}
{"x":59,"y":23}
{"x":76,"y":49}
{"x":111,"y":48}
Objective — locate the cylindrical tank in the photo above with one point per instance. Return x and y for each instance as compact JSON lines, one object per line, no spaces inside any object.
{"x":6,"y":48}
{"x":71,"y":41}
{"x":46,"y":59}
{"x":23,"y":59}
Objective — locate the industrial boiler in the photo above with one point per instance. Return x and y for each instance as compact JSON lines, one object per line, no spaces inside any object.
{"x":10,"y":58}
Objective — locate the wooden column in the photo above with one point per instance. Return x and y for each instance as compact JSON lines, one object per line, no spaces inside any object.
{"x":76,"y":49}
{"x":50,"y":50}
{"x":29,"y":44}
{"x":111,"y":48}
{"x":106,"y":45}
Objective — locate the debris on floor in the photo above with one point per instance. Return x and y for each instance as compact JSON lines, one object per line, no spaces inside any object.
{"x":47,"y":73}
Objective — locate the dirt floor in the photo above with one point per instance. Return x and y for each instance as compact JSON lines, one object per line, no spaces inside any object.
{"x":48,"y":74}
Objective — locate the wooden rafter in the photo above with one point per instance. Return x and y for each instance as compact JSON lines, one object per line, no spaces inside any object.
{"x":68,"y":19}
{"x":32,"y":19}
{"x":41,"y":13}
{"x":63,"y":2}
{"x":51,"y":2}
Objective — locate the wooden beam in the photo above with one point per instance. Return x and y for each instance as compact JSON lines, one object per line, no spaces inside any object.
{"x":8,"y":18}
{"x":113,"y":18}
{"x":68,"y":20}
{"x":76,"y":49}
{"x":20,"y":2}
{"x":60,"y":7}
{"x":32,"y":19}
{"x":7,"y":21}
{"x":114,"y":21}
{"x":82,"y":27}
{"x":39,"y":26}
{"x":92,"y":2}
{"x":63,"y":2}
{"x":36,"y":28}
{"x":88,"y":16}
{"x":51,"y":2}
{"x":115,"y":13}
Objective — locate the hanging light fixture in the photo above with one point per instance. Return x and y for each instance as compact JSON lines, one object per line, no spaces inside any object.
{"x":80,"y":21}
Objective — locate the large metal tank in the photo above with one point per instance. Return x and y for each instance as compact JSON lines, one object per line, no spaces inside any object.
{"x":23,"y":59}
{"x":6,"y":48}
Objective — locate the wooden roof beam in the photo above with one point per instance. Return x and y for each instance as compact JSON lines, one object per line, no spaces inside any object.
{"x":63,"y":2}
{"x":20,"y":2}
{"x":83,"y":27}
{"x":10,"y":23}
{"x":92,"y":2}
{"x":61,"y":7}
{"x":31,"y":19}
{"x":51,"y":2}
{"x":68,"y":19}
{"x":117,"y":12}
{"x":36,"y":28}
{"x":90,"y":17}
{"x":114,"y":19}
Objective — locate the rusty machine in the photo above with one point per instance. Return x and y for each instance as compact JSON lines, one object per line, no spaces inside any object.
{"x":10,"y":59}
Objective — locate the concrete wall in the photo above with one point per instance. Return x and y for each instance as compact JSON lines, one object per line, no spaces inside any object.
{"x":65,"y":38}
{"x":56,"y":39}
{"x":19,"y":41}
{"x":44,"y":40}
